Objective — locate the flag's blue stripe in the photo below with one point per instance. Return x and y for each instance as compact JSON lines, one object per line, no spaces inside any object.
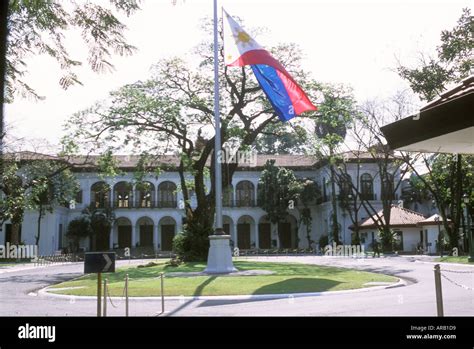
{"x":275,"y":90}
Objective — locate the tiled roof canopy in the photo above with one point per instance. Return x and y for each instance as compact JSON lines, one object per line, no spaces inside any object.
{"x":399,"y":217}
{"x":90,"y":162}
{"x":435,"y":219}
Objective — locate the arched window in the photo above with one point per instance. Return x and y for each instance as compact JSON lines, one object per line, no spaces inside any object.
{"x":366,"y":187}
{"x":122,"y":195}
{"x":245,"y":194}
{"x":388,"y":189}
{"x":100,"y":195}
{"x":145,"y":195}
{"x":167,"y":195}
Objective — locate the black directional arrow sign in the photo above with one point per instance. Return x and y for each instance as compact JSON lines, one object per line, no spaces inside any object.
{"x":99,"y":262}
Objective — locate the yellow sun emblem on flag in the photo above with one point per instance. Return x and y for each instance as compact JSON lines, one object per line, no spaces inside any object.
{"x":242,"y":37}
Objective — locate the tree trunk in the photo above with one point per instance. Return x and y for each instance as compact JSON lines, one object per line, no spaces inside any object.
{"x":38,"y":233}
{"x":335,"y":223}
{"x":456,"y":205}
{"x":387,"y":238}
{"x":15,"y":237}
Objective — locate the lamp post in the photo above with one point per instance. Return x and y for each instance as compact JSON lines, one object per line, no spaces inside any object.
{"x":469,"y":230}
{"x":440,"y":239}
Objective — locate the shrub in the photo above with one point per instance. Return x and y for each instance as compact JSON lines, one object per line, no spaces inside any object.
{"x":355,"y":239}
{"x":151,"y":264}
{"x":192,"y":246}
{"x":175,"y":262}
{"x":78,"y":229}
{"x":323,"y":241}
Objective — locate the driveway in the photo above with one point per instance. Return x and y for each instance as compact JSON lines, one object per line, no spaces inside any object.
{"x":19,"y":294}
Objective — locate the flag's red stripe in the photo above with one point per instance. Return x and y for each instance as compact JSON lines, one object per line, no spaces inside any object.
{"x":257,"y":57}
{"x":300,"y":101}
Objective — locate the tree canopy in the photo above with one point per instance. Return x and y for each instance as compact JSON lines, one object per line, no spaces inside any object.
{"x":453,"y":62}
{"x":448,"y":176}
{"x":172,"y":113}
{"x":38,"y":27}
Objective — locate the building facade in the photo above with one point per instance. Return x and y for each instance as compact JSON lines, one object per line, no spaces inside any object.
{"x":148,"y":215}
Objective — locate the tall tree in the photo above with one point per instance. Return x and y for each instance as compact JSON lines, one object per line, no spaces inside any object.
{"x":349,"y":192}
{"x":41,"y":27}
{"x":23,"y":184}
{"x":93,"y":223}
{"x":335,"y":115}
{"x":278,"y":187}
{"x":447,"y":179}
{"x":101,"y":221}
{"x":390,"y":168}
{"x":453,"y":62}
{"x":282,"y":139}
{"x":309,"y":193}
{"x":49,"y":192}
{"x":172,"y":112}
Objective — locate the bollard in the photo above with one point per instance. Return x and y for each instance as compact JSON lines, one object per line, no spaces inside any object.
{"x":439,"y":291}
{"x":162,"y":295}
{"x":126,"y":295}
{"x":104,"y":312}
{"x":99,"y":292}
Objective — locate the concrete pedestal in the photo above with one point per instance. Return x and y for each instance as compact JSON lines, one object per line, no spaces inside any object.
{"x":219,"y":260}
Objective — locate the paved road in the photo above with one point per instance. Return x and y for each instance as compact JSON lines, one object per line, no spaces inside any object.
{"x":18,"y":290}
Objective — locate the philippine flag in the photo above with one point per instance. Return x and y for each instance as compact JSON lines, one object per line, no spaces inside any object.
{"x":286,"y":97}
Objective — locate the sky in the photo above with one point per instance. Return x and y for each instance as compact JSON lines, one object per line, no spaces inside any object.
{"x":357,"y":43}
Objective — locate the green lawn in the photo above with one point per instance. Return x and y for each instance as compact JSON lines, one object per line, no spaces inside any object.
{"x":452,"y":259}
{"x":2,"y":264}
{"x":287,"y":278}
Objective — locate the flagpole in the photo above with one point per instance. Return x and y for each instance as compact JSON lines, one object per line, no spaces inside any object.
{"x":217,"y":138}
{"x":219,"y":259}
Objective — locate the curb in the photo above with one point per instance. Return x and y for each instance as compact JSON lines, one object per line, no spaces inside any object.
{"x":446,"y":264}
{"x":400,"y":283}
{"x":29,"y":267}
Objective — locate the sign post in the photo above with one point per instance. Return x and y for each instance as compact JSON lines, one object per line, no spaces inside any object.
{"x":99,"y":262}
{"x":99,"y":292}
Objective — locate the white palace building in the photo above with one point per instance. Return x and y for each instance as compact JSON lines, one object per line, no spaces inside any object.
{"x":151,"y":218}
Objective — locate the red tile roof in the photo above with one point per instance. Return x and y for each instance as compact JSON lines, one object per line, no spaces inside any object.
{"x":432,"y":220}
{"x":90,"y":162}
{"x":399,"y":217}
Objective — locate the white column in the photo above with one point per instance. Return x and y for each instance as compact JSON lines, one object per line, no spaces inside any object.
{"x":255,"y":187}
{"x":137,"y":234}
{"x":233,"y":197}
{"x":86,"y":193}
{"x":111,"y":238}
{"x":155,"y":237}
{"x":255,"y":228}
{"x":235,"y":235}
{"x":134,"y":236}
{"x":179,"y":225}
{"x":158,"y":239}
{"x":133,"y":195}
{"x":274,"y":228}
